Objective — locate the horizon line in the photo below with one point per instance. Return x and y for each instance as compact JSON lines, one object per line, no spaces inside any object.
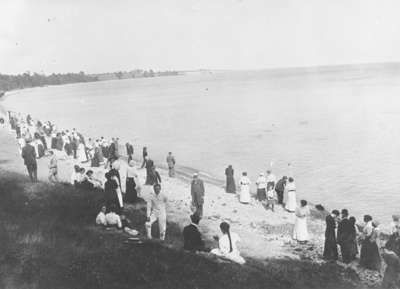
{"x":314,"y":67}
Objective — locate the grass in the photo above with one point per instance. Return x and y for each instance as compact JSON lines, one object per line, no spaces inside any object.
{"x":48,"y":241}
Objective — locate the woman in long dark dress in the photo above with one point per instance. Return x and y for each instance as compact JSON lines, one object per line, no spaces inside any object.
{"x":353,"y":239}
{"x":154,"y":177}
{"x":149,"y":171}
{"x":230,"y":181}
{"x":110,"y":191}
{"x":330,"y":247}
{"x":369,"y":256}
{"x":130,"y":191}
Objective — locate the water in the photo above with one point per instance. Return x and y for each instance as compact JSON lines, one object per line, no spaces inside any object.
{"x":338,"y":128}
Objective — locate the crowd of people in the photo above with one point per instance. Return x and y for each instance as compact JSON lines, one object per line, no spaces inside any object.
{"x":37,"y":139}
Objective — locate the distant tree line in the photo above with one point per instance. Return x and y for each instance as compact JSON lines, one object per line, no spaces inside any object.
{"x":25,"y":80}
{"x":137,"y":73}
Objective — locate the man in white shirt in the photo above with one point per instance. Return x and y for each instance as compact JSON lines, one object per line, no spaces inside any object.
{"x":156,"y":211}
{"x":112,"y":219}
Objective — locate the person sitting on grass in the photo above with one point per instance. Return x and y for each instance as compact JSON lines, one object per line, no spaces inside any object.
{"x":192,"y":236}
{"x":53,"y":168}
{"x":101,"y":217}
{"x":228,"y":245}
{"x":126,"y":226}
{"x":112,"y":219}
{"x":90,"y":182}
{"x":75,"y":176}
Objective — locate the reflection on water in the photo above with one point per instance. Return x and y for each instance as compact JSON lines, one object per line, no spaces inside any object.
{"x":340,"y":129}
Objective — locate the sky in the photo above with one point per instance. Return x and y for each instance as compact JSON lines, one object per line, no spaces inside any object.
{"x":110,"y":35}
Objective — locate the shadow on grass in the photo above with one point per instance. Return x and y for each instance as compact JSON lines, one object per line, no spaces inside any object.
{"x":48,"y":242}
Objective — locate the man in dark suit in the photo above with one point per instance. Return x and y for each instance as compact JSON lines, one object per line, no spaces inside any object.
{"x":192,"y":236}
{"x":29,"y":156}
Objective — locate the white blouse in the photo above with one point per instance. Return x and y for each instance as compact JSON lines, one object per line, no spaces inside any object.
{"x":224,"y":243}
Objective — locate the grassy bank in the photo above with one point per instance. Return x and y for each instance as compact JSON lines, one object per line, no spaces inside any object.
{"x":48,"y":241}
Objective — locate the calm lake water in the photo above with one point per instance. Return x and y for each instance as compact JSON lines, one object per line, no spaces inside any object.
{"x":339,"y":128}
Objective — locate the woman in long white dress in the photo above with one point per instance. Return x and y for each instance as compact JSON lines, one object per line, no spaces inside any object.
{"x":81,"y":153}
{"x":300,"y":232}
{"x":244,"y":184}
{"x":227,"y":245}
{"x":290,"y":192}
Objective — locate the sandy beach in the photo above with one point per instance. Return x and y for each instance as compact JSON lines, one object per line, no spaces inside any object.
{"x":265,"y":235}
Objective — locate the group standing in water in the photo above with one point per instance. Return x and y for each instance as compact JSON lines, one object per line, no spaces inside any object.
{"x":37,"y":139}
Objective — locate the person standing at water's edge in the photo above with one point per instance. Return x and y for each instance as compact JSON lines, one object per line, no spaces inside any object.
{"x":271,"y":179}
{"x":171,"y":165}
{"x":290,"y":191}
{"x":230,"y":181}
{"x":157,"y":211}
{"x":280,"y":189}
{"x":330,"y":247}
{"x":197,"y":192}
{"x":261,"y":188}
{"x":29,"y":155}
{"x":244,"y":184}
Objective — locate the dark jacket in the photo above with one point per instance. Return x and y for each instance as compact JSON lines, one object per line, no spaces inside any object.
{"x":344,"y":231}
{"x":129,"y":149}
{"x":280,"y":185}
{"x":192,"y":239}
{"x":29,"y":155}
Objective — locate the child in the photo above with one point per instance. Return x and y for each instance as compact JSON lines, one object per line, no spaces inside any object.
{"x":270,"y":197}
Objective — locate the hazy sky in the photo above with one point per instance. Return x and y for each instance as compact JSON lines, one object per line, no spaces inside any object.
{"x":110,"y":35}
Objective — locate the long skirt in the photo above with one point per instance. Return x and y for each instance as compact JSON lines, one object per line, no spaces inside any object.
{"x":53,"y":143}
{"x":95,"y":161}
{"x":261,"y":194}
{"x":40,"y":150}
{"x":130,"y":191}
{"x":300,"y":232}
{"x":233,"y":256}
{"x":230,"y":185}
{"x":68,"y":149}
{"x":369,"y":256}
{"x":330,"y":249}
{"x":81,"y":154}
{"x":291,"y":201}
{"x":349,"y":250}
{"x":244,"y":196}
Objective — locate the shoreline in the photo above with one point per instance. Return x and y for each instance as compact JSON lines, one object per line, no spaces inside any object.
{"x":268,"y":234}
